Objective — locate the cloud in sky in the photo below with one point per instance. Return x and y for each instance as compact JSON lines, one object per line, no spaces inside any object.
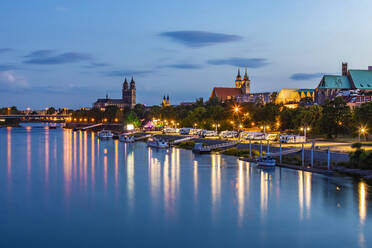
{"x":10,"y":80}
{"x":95,"y":65}
{"x":240,"y":62}
{"x":4,"y":50}
{"x":199,"y":38}
{"x":127,"y":73}
{"x":48,"y":57}
{"x":306,"y":76}
{"x":183,"y":66}
{"x":7,"y":67}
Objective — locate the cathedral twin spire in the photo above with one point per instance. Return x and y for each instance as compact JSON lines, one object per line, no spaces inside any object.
{"x":132,"y":84}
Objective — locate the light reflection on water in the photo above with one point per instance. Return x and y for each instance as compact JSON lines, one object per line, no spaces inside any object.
{"x":132,"y":189}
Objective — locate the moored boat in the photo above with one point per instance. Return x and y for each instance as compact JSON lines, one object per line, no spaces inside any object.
{"x":266,"y":161}
{"x":157,"y":143}
{"x":105,"y":134}
{"x":127,"y":138}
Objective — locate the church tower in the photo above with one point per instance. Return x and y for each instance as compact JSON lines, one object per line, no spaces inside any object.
{"x":132,"y":93}
{"x":238,"y":80}
{"x":166,"y":101}
{"x":246,"y":84}
{"x":129,"y":93}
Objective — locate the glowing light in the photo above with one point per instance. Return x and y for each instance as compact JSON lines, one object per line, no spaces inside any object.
{"x":130,"y":127}
{"x":116,"y":119}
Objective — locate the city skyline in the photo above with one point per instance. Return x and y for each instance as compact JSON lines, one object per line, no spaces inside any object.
{"x":54,"y":49}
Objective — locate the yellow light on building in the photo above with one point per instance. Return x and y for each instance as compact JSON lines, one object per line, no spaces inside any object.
{"x":116,"y":119}
{"x":105,"y":120}
{"x":92,"y":119}
{"x":85,"y":119}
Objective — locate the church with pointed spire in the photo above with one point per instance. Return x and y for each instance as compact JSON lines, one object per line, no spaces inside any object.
{"x":166,"y":101}
{"x":241,"y":92}
{"x":242,"y":88}
{"x":128,"y":97}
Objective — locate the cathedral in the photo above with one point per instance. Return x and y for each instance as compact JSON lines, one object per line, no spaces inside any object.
{"x":242,"y":88}
{"x":166,"y":101}
{"x":128,"y":98}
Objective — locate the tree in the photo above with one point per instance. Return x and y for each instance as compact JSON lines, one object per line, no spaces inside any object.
{"x":267,"y":114}
{"x":133,"y":119}
{"x":51,"y":111}
{"x":140,"y":111}
{"x":363,"y":115}
{"x":336,"y":117}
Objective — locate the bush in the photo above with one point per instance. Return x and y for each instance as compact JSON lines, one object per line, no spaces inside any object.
{"x":186,"y":145}
{"x":360,"y":158}
{"x":241,"y":152}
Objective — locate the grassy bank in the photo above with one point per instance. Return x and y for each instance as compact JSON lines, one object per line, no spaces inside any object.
{"x":241,"y":153}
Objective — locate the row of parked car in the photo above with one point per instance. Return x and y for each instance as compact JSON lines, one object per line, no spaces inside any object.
{"x":245,"y":135}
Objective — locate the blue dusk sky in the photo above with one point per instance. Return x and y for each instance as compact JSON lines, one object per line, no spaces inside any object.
{"x":69,"y":53}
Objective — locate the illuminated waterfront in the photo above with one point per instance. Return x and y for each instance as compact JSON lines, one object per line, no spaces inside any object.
{"x":59,"y":189}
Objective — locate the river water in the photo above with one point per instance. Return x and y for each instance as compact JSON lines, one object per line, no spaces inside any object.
{"x":60,"y":188}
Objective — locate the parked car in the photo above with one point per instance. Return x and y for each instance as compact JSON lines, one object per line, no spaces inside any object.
{"x":248,"y":135}
{"x":292,"y":139}
{"x":272,"y":136}
{"x":208,"y":133}
{"x":229,"y":134}
{"x":185,"y":130}
{"x":170,"y":130}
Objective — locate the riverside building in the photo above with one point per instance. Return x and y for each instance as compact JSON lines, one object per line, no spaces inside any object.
{"x":128,"y":98}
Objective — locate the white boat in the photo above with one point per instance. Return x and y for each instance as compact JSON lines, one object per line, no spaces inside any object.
{"x":266,"y":161}
{"x":105,"y":134}
{"x":158,"y":143}
{"x":126,"y":138}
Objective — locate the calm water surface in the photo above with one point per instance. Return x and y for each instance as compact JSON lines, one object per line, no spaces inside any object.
{"x":59,"y":189}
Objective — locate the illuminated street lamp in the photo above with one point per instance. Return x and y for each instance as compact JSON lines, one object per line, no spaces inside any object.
{"x":116,"y":119}
{"x":216,"y":126}
{"x":195,"y":125}
{"x":305,"y":129}
{"x":363,"y":131}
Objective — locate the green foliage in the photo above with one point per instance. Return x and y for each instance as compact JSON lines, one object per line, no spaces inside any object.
{"x":241,"y":153}
{"x":10,"y":111}
{"x":133,"y":119}
{"x":363,"y":115}
{"x":51,"y":111}
{"x":336,"y":117}
{"x":360,"y":158}
{"x":186,"y":145}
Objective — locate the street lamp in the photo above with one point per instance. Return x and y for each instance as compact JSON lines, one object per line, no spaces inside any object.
{"x":195,"y":125}
{"x":305,"y":129}
{"x":362,"y":130}
{"x":216,"y":126}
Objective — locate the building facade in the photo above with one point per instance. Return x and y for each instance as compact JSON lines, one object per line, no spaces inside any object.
{"x":292,"y":97}
{"x":331,"y":85}
{"x":128,"y":97}
{"x":241,"y":92}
